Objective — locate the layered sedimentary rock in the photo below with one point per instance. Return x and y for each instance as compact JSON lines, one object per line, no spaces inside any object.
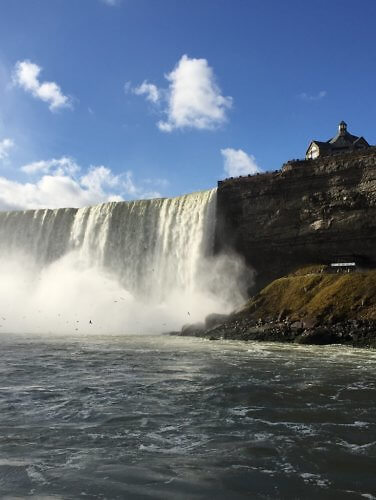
{"x":310,"y":211}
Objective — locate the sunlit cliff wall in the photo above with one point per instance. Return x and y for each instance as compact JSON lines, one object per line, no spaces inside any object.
{"x":307,"y":212}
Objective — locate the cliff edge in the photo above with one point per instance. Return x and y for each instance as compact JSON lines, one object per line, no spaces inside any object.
{"x":310,"y":211}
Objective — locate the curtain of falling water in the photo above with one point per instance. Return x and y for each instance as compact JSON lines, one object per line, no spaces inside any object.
{"x":150,"y":246}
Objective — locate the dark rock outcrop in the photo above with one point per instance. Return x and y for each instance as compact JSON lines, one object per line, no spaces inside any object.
{"x":215,"y":319}
{"x":192,"y":329}
{"x":308,"y":212}
{"x":359,"y":333}
{"x":310,"y":306}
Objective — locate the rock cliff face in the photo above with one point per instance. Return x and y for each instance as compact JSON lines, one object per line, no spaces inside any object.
{"x":308,"y":212}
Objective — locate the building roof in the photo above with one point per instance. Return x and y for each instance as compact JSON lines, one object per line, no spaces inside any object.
{"x":343,"y":138}
{"x":341,"y":141}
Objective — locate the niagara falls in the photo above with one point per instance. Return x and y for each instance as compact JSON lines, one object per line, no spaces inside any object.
{"x":137,"y":267}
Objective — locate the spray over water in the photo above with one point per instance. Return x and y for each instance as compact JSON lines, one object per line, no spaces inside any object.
{"x":123,"y":267}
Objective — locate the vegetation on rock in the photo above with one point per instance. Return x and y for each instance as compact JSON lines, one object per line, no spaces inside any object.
{"x":310,"y":306}
{"x":313,"y":292}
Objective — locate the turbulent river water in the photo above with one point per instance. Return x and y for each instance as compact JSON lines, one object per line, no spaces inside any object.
{"x":176,"y":418}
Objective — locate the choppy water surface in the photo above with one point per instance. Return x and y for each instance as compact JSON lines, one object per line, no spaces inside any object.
{"x":176,"y":418}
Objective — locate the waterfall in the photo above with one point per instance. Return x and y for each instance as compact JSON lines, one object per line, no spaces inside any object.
{"x":133,"y":267}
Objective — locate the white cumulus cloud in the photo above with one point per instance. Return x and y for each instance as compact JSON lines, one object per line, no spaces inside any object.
{"x":60,"y":183}
{"x":5,"y":146}
{"x":26,"y":76}
{"x":238,"y":162}
{"x":149,"y":90}
{"x":192,"y":99}
{"x":60,"y":166}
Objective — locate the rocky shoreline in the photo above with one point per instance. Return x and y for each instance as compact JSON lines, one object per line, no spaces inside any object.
{"x":310,"y":306}
{"x":356,"y":333}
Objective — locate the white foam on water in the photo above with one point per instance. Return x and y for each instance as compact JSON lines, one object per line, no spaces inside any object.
{"x":358,"y":449}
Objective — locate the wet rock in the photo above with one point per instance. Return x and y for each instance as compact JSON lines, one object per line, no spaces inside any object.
{"x":215,"y":319}
{"x":359,"y":333}
{"x":317,"y":336}
{"x":193,"y":329}
{"x":309,"y":323}
{"x":297,"y":326}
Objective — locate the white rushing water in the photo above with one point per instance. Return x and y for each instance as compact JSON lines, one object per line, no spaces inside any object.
{"x":122,"y":267}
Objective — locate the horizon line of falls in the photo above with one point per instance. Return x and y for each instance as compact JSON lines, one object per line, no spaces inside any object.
{"x":122,"y":267}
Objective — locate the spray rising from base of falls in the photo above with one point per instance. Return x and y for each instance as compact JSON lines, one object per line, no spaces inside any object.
{"x":118,"y":268}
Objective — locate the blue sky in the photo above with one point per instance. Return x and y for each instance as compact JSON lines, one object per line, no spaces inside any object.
{"x":123,"y":99}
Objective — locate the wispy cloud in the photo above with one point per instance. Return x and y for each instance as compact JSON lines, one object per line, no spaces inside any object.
{"x":149,"y":90}
{"x":238,"y":162}
{"x":313,"y":97}
{"x":157,"y":182}
{"x":60,"y":166}
{"x":111,"y":3}
{"x":62,"y":182}
{"x":192,"y":99}
{"x":26,"y":76}
{"x":6,"y":145}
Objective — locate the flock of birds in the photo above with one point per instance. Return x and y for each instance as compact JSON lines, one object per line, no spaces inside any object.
{"x":59,"y":315}
{"x":90,"y":322}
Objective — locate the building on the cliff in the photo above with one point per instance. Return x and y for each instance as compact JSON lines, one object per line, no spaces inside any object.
{"x":345,"y":264}
{"x":343,"y":142}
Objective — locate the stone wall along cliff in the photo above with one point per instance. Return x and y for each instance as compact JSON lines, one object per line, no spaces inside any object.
{"x":310,"y":211}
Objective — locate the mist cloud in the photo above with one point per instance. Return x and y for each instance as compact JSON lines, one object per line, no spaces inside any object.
{"x":69,"y":296}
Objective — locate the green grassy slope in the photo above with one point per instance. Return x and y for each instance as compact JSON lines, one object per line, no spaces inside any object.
{"x":312,"y":292}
